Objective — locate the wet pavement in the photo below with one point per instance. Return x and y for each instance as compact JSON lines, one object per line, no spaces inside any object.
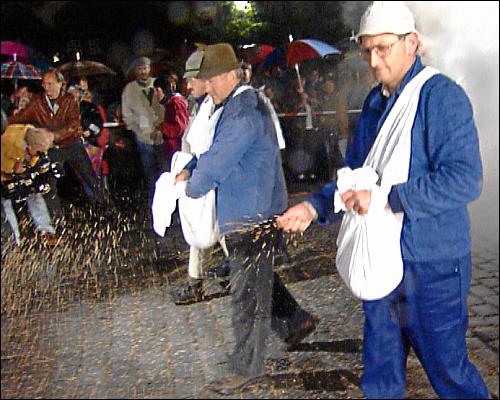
{"x":137,"y":343}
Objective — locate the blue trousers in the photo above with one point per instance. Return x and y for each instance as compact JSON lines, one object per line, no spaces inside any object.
{"x":39,"y":213}
{"x":427,"y":312}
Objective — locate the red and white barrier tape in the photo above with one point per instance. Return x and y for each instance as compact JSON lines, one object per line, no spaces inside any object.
{"x":304,"y":114}
{"x":286,"y":114}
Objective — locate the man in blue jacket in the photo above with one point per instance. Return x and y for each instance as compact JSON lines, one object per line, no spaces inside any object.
{"x":243,"y":165}
{"x":428,"y":310}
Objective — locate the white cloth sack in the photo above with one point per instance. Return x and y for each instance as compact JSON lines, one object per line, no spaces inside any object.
{"x":198,"y":216}
{"x":167,"y":193}
{"x":368,"y":247}
{"x":198,"y":219}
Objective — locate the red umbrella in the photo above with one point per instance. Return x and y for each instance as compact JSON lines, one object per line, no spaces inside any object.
{"x":297,"y":51}
{"x":256,"y":53}
{"x":306,"y":49}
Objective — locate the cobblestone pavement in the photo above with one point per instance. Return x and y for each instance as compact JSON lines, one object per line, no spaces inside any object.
{"x":141,"y":345}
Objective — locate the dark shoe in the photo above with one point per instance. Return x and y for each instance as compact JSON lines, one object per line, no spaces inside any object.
{"x":231,"y":385}
{"x":221,"y":271}
{"x":305,"y":329}
{"x":191,"y":293}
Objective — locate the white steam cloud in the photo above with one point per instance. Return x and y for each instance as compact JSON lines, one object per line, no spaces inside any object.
{"x":461,"y":40}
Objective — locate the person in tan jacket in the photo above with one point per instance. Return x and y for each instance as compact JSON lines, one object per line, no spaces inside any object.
{"x":58,"y":112}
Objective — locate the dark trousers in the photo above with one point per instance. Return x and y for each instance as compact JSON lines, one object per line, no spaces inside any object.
{"x":259,"y":301}
{"x":75,"y":155}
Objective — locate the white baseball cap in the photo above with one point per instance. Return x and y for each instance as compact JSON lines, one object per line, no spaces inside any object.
{"x":386,"y":17}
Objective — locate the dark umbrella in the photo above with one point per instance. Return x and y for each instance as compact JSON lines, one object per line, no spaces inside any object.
{"x":84,"y":68}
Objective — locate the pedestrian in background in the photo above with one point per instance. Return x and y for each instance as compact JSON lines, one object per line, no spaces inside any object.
{"x":58,"y":112}
{"x":427,"y":311}
{"x":142,"y":113}
{"x":20,"y":147}
{"x":175,"y":118}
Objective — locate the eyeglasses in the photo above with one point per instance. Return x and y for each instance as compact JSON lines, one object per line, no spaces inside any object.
{"x":382,"y":50}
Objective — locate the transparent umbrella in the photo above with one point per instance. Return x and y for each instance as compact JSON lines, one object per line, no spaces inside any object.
{"x":84,"y":68}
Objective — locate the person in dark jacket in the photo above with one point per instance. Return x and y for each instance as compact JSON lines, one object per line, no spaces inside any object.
{"x":58,"y":112}
{"x":427,"y":311}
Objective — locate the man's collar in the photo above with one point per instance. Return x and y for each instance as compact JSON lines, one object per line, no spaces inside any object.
{"x":52,"y":100}
{"x":223,"y":102}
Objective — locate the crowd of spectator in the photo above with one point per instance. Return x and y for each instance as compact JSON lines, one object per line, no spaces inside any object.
{"x":312,"y":113}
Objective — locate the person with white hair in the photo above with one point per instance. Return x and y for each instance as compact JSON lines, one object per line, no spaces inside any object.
{"x":416,"y":135}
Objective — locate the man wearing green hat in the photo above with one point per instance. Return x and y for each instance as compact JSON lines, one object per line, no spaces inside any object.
{"x":243,"y":164}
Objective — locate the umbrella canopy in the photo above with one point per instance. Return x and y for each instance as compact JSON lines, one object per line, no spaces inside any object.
{"x":296,"y":52}
{"x":306,"y":49}
{"x":19,"y":70}
{"x":10,"y":48}
{"x":256,"y":53}
{"x":84,"y":68}
{"x":275,"y":59}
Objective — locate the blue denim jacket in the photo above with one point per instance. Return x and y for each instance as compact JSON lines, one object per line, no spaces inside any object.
{"x":243,"y":164}
{"x":445,"y":168}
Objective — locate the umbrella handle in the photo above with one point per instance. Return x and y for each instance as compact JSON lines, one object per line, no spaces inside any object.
{"x":301,"y":88}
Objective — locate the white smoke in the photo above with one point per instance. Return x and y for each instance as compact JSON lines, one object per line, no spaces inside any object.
{"x":461,"y":40}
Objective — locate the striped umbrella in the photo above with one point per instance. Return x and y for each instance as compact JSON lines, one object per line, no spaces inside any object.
{"x":19,"y":70}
